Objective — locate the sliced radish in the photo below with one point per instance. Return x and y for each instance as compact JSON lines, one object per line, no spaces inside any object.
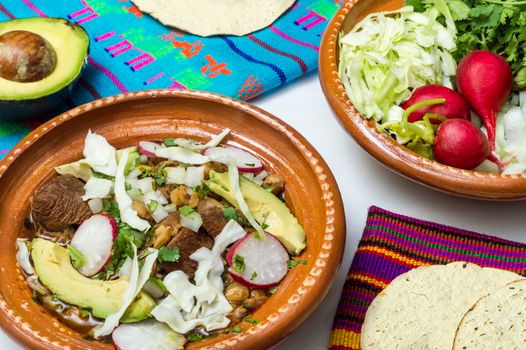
{"x":94,"y":239}
{"x":264,"y":262}
{"x":245,"y":161}
{"x":149,"y":334}
{"x":147,"y":148}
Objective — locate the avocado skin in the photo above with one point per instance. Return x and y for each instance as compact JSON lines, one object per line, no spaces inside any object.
{"x":42,"y":107}
{"x":265,"y":207}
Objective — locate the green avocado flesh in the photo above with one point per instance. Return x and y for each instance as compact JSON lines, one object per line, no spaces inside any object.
{"x":70,"y":43}
{"x":54,"y":269}
{"x":265,"y":207}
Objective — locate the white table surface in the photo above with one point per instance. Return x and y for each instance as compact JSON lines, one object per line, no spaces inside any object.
{"x":364,"y":182}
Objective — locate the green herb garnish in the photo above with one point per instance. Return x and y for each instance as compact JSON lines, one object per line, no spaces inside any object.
{"x":101,"y":175}
{"x":186,"y":210}
{"x":294,"y":263}
{"x":230,"y":214}
{"x":237,"y":330}
{"x":127,"y":187}
{"x":254,"y":275}
{"x":152,"y":206}
{"x":76,"y":256}
{"x":160,"y":181}
{"x":194,"y":337}
{"x":168,"y":254}
{"x":202,"y":190}
{"x":169,"y":142}
{"x":273,"y":290}
{"x":239,"y":263}
{"x":251,"y":320}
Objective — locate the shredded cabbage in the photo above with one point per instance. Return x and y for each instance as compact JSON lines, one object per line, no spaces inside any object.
{"x":128,"y":215}
{"x":97,"y":188}
{"x":136,"y":282}
{"x":198,"y":146}
{"x":203,"y":303}
{"x":233,"y":174}
{"x":387,"y":54}
{"x":22,"y":256}
{"x":99,"y":154}
{"x":181,"y":154}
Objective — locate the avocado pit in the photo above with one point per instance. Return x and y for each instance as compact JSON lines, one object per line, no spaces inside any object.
{"x":26,"y":56}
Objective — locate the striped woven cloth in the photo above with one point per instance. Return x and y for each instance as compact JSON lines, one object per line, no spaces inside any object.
{"x":393,"y":244}
{"x":130,"y":51}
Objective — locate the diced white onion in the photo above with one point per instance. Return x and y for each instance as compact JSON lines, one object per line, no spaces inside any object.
{"x":175,"y":175}
{"x":159,"y":214}
{"x":194,"y":176}
{"x":95,"y":205}
{"x":192,"y":221}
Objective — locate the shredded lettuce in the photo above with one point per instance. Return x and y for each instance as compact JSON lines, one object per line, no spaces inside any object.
{"x":388,"y":54}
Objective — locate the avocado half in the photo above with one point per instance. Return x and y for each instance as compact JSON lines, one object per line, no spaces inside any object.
{"x":33,"y":99}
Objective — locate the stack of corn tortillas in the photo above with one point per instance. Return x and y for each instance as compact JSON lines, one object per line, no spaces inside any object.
{"x":443,"y":307}
{"x":213,"y":17}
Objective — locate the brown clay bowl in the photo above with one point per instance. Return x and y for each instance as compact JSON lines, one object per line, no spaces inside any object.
{"x":384,"y":148}
{"x":311,"y":193}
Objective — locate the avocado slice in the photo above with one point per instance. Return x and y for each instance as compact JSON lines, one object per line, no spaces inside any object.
{"x":265,"y":207}
{"x":70,"y":44}
{"x":54,"y":269}
{"x":140,"y":309}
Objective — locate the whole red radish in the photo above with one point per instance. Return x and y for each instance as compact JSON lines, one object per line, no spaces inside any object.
{"x":454,"y":107}
{"x":460,"y":144}
{"x":485,"y":80}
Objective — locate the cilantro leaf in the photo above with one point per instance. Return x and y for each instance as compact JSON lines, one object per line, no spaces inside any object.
{"x":202,"y":190}
{"x":186,"y":210}
{"x":76,"y":256}
{"x":170,"y":142}
{"x":254,"y":275}
{"x":293,"y":263}
{"x":168,"y":254}
{"x":194,"y":337}
{"x":251,"y":320}
{"x":239,"y":263}
{"x":230,"y":214}
{"x":237,"y":330}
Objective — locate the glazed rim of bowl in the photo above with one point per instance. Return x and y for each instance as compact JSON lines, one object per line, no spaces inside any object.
{"x":384,"y":148}
{"x":322,"y":268}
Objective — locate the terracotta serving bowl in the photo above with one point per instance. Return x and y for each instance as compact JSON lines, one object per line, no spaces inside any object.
{"x":383,"y":147}
{"x":311,"y":193}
